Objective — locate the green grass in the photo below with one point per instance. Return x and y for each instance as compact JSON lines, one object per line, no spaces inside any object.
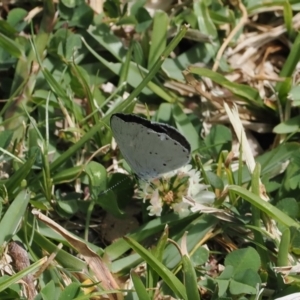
{"x":65,"y":69}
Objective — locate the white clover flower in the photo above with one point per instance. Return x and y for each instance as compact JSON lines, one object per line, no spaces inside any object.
{"x":169,"y":174}
{"x":144,"y":191}
{"x":198,"y":191}
{"x":173,"y":193}
{"x":200,"y":194}
{"x":184,"y":170}
{"x":155,"y":208}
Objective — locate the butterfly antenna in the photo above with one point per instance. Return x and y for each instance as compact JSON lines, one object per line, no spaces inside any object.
{"x":112,"y":187}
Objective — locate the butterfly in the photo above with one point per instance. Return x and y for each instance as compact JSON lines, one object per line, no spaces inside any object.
{"x":150,"y":148}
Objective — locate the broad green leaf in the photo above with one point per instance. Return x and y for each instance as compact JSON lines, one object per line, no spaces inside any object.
{"x":144,"y":20}
{"x":5,"y":138}
{"x":218,"y":139}
{"x":185,"y":127}
{"x":12,"y":47}
{"x":159,"y":37}
{"x":289,"y":206}
{"x":71,"y":291}
{"x":49,"y":292}
{"x":200,"y":256}
{"x":13,"y":216}
{"x":237,"y":288}
{"x":243,"y":259}
{"x":289,"y":126}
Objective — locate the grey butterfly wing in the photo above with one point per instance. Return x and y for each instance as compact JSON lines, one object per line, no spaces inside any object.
{"x":151,"y":149}
{"x":163,"y":154}
{"x":126,"y":135}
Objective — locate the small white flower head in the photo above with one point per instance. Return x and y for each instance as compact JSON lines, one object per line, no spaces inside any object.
{"x":155,"y":208}
{"x":199,"y":193}
{"x":144,"y":191}
{"x":170,"y":191}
